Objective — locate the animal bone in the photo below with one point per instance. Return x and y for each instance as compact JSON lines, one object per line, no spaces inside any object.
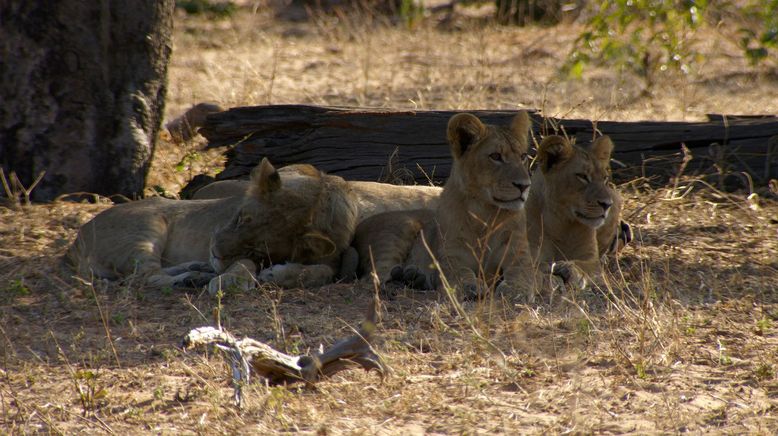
{"x":247,"y":354}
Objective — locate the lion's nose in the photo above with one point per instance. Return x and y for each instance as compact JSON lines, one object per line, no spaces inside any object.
{"x":605,"y":205}
{"x":523,"y":186}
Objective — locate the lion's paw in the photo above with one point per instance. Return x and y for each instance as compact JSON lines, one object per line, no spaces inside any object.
{"x":201,"y":267}
{"x":570,"y":274}
{"x":240,"y":276}
{"x":505,"y":288}
{"x":292,"y":275}
{"x":388,"y":291}
{"x":415,"y":278}
{"x":557,"y":283}
{"x":396,"y":274}
{"x":193,"y":279}
{"x":187,"y":267}
{"x":412,"y":277}
{"x":520,"y":293}
{"x":472,"y":291}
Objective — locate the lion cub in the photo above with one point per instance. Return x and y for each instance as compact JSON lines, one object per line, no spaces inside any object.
{"x":478,"y":231}
{"x":573,"y":212}
{"x":296,"y":214}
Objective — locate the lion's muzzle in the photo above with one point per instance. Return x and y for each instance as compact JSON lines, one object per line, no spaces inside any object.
{"x":515,"y":199}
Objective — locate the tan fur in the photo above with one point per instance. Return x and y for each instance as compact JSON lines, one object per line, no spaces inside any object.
{"x":478,"y":229}
{"x":222,"y":189}
{"x":295,"y":214}
{"x":391,"y":239}
{"x":573,"y":211}
{"x":372,"y":197}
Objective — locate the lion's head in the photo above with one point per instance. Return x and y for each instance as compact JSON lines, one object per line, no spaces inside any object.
{"x":296,"y":214}
{"x":577,"y":178}
{"x":490,"y":162}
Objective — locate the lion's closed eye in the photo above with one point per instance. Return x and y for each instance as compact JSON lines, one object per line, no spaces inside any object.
{"x":497,"y":157}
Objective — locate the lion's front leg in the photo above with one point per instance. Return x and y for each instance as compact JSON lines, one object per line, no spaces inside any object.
{"x":570,"y":274}
{"x":578,"y":274}
{"x":185,"y":267}
{"x":519,"y":281}
{"x":189,"y":279}
{"x":385,"y":242}
{"x":457,"y":272}
{"x":348,"y":270}
{"x":193,"y":274}
{"x":419,"y":271}
{"x":239,"y":276}
{"x":519,"y":274}
{"x":292,"y":275}
{"x":386,"y":265}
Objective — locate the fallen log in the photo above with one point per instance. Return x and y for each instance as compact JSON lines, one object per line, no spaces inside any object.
{"x":386,"y":145}
{"x":247,"y":355}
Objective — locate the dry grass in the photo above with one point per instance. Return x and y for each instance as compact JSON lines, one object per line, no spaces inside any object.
{"x":684,"y":340}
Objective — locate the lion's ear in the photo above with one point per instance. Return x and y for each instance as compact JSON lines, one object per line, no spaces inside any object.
{"x":265,"y":177}
{"x":602,"y":148}
{"x":319,"y":244}
{"x":520,"y":125}
{"x":553,"y":150}
{"x":464,"y":130}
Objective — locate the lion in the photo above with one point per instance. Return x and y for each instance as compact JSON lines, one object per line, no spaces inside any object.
{"x":295,"y":214}
{"x":573,"y":212}
{"x":372,"y":197}
{"x":478,"y":230}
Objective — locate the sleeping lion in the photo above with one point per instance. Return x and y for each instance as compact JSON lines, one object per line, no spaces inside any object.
{"x":296,"y":214}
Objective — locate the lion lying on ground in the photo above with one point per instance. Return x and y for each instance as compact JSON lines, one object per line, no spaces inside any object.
{"x":372,"y":197}
{"x":478,"y":231}
{"x":573,"y":213}
{"x":296,"y":214}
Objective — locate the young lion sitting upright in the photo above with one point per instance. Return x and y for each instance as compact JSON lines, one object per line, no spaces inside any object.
{"x":573,"y":213}
{"x":478,"y":230}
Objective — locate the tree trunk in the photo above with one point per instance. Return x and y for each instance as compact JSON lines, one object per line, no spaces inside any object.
{"x":525,"y":12}
{"x":82,"y":85}
{"x":365,"y":144}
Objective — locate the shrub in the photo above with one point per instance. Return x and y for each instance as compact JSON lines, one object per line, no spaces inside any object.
{"x":642,"y":36}
{"x":651,"y":36}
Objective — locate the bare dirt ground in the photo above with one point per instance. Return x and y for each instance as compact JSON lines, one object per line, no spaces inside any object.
{"x":685,"y":338}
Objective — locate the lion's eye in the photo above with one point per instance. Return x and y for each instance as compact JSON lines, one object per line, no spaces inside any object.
{"x":584,"y":178}
{"x":497,"y":157}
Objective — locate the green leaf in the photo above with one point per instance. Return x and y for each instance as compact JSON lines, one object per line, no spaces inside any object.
{"x":576,"y":70}
{"x":770,"y":37}
{"x":755,"y":55}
